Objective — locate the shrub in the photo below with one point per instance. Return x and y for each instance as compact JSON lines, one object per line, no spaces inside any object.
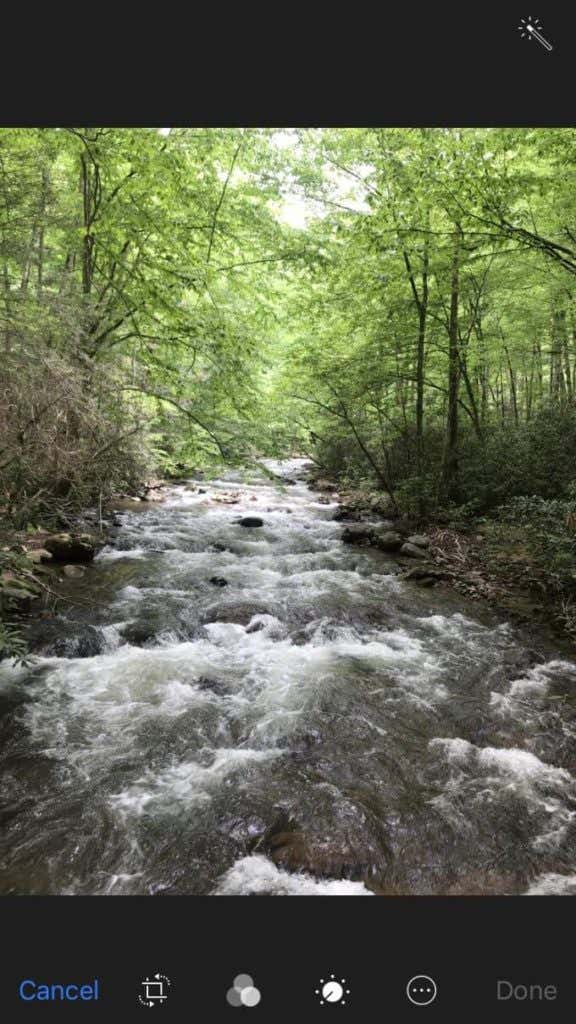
{"x":551,"y":524}
{"x":66,"y":437}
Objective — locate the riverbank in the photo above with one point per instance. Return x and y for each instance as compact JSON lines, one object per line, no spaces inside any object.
{"x":489,"y":559}
{"x":35,"y":562}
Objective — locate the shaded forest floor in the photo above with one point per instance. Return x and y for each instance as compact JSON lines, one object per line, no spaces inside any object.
{"x":500,"y":563}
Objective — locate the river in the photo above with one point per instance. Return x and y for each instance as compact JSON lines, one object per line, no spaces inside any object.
{"x":265,"y":710}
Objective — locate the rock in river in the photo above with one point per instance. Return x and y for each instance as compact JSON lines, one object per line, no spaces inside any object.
{"x":357,"y":534}
{"x":73,"y":571}
{"x":63,"y":638}
{"x":251,"y":521}
{"x":387,"y":540}
{"x":68,"y":547}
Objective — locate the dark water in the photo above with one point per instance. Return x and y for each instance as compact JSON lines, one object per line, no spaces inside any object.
{"x":315,"y":726}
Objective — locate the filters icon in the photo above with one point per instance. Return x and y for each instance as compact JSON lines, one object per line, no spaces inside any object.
{"x":243,"y":992}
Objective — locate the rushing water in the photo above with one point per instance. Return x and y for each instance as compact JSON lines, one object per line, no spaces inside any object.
{"x":314,"y":726}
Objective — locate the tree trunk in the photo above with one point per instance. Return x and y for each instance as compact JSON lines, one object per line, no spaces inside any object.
{"x":513,"y":392}
{"x":450,"y":468}
{"x":420,"y":359}
{"x":421,"y":302}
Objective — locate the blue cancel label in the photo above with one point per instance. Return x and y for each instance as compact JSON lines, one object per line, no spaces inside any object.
{"x":35,"y":991}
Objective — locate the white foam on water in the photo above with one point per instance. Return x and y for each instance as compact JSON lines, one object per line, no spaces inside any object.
{"x":120,"y":884}
{"x":180,"y":787}
{"x":257,"y":875}
{"x":536,"y":682}
{"x":523,"y":766}
{"x":91,"y":712}
{"x":127,"y":598}
{"x":508,"y":762}
{"x":451,"y":625}
{"x":561,"y":820}
{"x":195,"y":722}
{"x":456,"y":750}
{"x":109,"y":554}
{"x":552,"y":884}
{"x":112,"y":635}
{"x":12,"y":675}
{"x":487,"y":774}
{"x":91,"y":707}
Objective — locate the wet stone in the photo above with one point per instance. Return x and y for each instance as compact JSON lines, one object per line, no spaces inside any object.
{"x":67,"y":547}
{"x":214,"y":685}
{"x":388,"y":540}
{"x":420,"y":540}
{"x":73,"y":571}
{"x":357,"y":535}
{"x":60,"y":638}
{"x":412,"y":551}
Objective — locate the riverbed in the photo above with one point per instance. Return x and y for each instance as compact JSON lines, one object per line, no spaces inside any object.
{"x":238,"y":709}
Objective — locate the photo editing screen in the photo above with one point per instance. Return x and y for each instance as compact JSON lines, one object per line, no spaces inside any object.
{"x":288,"y":521}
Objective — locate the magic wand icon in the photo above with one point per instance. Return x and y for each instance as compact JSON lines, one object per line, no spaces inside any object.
{"x":529,"y":28}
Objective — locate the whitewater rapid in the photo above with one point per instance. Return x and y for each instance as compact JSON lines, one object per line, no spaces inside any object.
{"x":266,"y":710}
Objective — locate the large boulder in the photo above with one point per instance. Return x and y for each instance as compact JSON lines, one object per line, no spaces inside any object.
{"x":63,"y":638}
{"x":424,"y":575}
{"x":412,"y":551}
{"x":325,"y":856}
{"x":345,"y":512}
{"x":325,"y":485}
{"x":420,"y":540}
{"x":387,"y":540}
{"x":252,"y":521}
{"x":420,"y":572}
{"x":357,"y":534}
{"x":69,"y":547}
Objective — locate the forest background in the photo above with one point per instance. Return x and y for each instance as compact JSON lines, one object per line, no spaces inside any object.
{"x":397,"y":305}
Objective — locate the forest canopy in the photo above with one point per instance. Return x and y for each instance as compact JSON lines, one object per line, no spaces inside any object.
{"x":396,"y":304}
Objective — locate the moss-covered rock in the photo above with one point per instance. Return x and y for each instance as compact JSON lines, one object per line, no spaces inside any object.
{"x":68,"y":547}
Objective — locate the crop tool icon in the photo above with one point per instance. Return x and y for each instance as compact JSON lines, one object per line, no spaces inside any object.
{"x":155,"y":990}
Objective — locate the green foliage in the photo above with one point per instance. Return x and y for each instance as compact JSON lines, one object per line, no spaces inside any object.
{"x":551,"y":525}
{"x":416,"y":331}
{"x":12,"y":644}
{"x":437,"y":349}
{"x":534,"y":457}
{"x":135,"y":295}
